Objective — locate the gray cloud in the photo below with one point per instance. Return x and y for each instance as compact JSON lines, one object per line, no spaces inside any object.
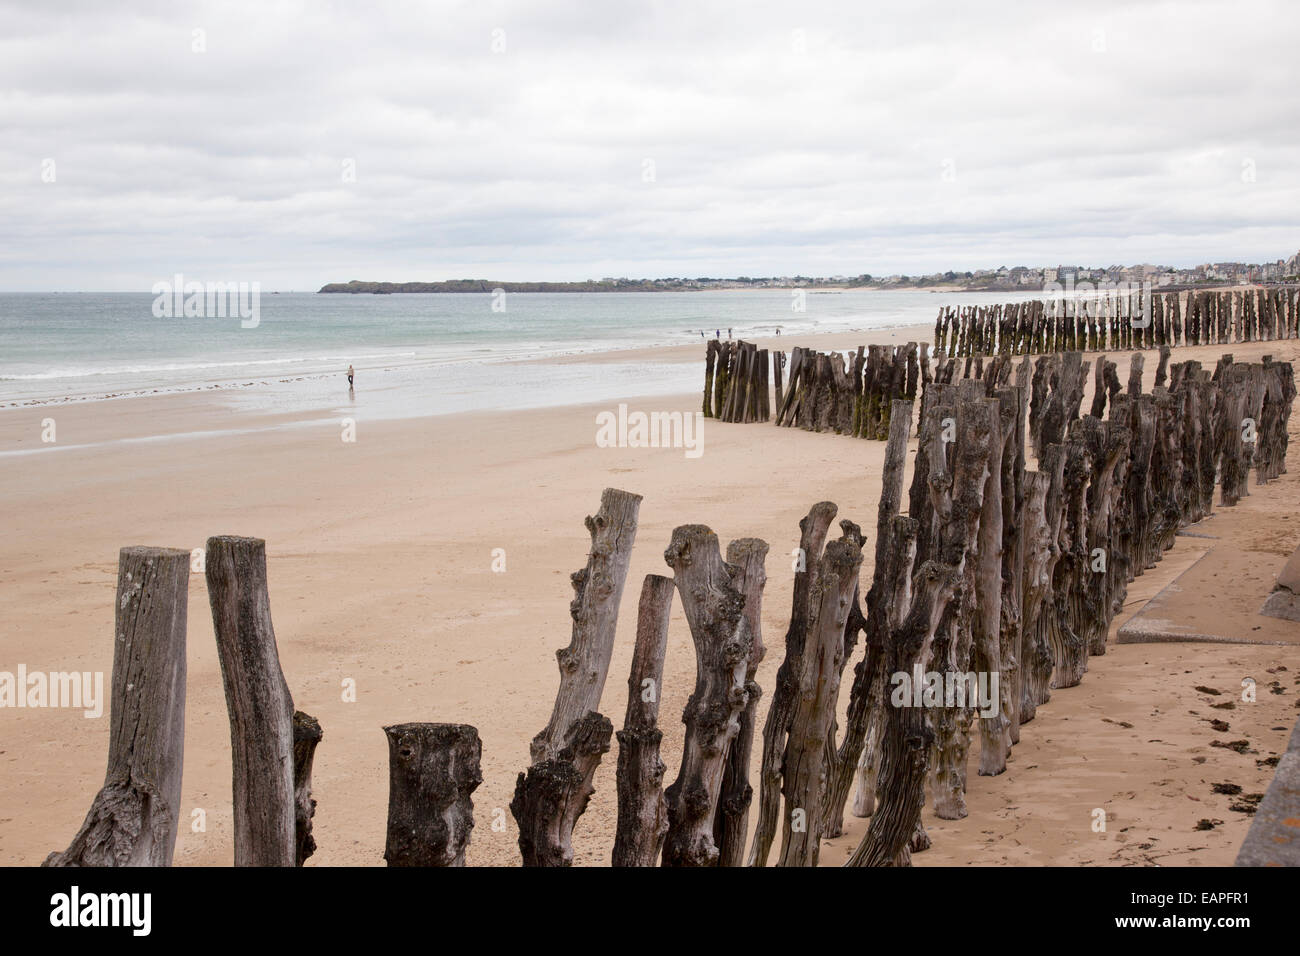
{"x":815,"y":138}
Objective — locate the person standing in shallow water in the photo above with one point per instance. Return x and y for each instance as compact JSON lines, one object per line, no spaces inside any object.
{"x":350,"y":374}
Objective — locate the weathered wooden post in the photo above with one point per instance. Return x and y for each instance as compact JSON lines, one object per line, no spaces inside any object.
{"x":553,"y":792}
{"x":866,"y":693}
{"x":1068,"y":647}
{"x":132,"y":820}
{"x":987,"y":621}
{"x":812,"y":723}
{"x":1013,"y":552}
{"x":710,"y":356}
{"x":908,"y":737}
{"x":433,"y":769}
{"x":1108,"y":445}
{"x":1043,"y":516}
{"x":958,"y":497}
{"x":778,"y":364}
{"x":642,"y":814}
{"x":731,"y":825}
{"x":812,"y":536}
{"x":258,"y":699}
{"x":714,"y":607}
{"x":306,"y":735}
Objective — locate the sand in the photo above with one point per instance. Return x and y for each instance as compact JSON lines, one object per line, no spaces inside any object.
{"x":380,"y":563}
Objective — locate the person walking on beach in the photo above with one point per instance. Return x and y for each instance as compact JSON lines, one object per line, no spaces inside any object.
{"x":350,"y":374}
{"x":728,"y":333}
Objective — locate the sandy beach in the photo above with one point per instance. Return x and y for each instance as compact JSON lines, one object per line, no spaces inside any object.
{"x":380,"y":558}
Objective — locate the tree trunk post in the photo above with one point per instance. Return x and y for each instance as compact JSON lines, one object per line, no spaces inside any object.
{"x":553,"y":792}
{"x":306,"y":735}
{"x":642,"y":814}
{"x":433,"y":769}
{"x":813,"y":721}
{"x":731,"y":826}
{"x":258,"y":699}
{"x":714,"y":608}
{"x":865,"y":698}
{"x":812,"y":536}
{"x":133,"y":819}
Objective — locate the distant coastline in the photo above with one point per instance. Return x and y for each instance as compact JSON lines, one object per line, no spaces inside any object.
{"x":1016,"y":280}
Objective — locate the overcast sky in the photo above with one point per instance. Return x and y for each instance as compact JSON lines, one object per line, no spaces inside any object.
{"x":573,"y":140}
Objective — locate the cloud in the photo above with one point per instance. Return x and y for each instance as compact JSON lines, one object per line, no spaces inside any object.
{"x":571,"y":140}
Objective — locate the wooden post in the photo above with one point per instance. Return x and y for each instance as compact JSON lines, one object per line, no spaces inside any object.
{"x":642,"y":815}
{"x":714,"y":609}
{"x":731,"y":826}
{"x":258,"y":699}
{"x":812,"y":723}
{"x":1108,"y":446}
{"x":306,"y":735}
{"x":812,"y":536}
{"x":433,"y":769}
{"x":710,"y":356}
{"x":1069,"y":649}
{"x":865,"y":701}
{"x":958,"y":503}
{"x":1046,"y":368}
{"x":908,"y":737}
{"x":132,"y":820}
{"x":554,"y":791}
{"x":994,"y":730}
{"x":1043,"y":515}
{"x":778,"y":364}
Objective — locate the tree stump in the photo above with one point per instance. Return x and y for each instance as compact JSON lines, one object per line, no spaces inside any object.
{"x":433,"y":769}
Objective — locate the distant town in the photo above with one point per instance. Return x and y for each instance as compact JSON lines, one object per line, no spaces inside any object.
{"x":1001,"y":279}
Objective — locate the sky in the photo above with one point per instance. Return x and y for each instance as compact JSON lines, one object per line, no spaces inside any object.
{"x":295,"y":144}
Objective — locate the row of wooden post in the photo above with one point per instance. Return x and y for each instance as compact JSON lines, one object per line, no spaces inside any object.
{"x":736,"y":382}
{"x":1119,"y":320}
{"x":826,"y":394}
{"x":1023,"y":571}
{"x":823,"y":392}
{"x":995,"y":569}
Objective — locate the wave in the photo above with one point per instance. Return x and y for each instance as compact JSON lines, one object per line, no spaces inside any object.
{"x":61,"y":373}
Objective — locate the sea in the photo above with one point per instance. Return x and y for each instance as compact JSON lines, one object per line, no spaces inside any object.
{"x":414,"y":354}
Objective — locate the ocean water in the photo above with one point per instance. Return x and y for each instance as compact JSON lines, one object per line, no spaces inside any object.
{"x":414,"y":354}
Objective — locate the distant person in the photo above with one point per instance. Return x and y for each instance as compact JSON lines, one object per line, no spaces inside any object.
{"x":701,"y":333}
{"x":778,"y":330}
{"x":728,"y":333}
{"x":350,"y":375}
{"x":717,"y":333}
